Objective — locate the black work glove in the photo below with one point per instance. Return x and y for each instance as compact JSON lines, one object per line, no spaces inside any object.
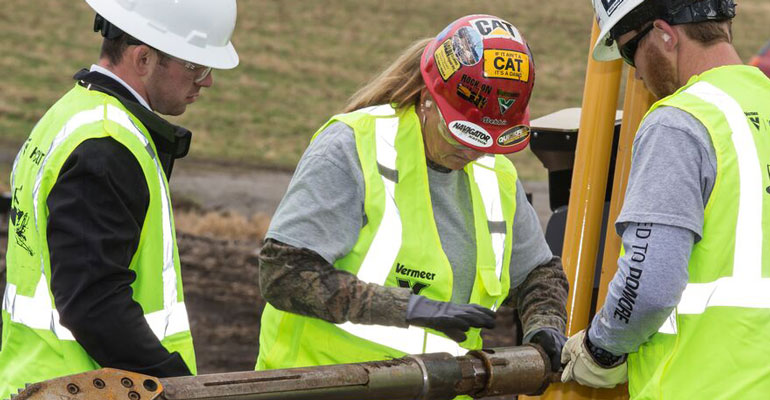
{"x":451,"y":319}
{"x":552,"y":342}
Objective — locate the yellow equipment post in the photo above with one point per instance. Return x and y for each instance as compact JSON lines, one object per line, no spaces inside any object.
{"x":587,"y":194}
{"x":635,"y":105}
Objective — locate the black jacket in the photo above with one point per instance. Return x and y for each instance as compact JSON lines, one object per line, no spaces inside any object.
{"x":96,"y":211}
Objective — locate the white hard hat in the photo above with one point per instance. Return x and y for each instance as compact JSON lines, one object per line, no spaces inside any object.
{"x":609,"y":13}
{"x":197,"y":31}
{"x":634,"y":13}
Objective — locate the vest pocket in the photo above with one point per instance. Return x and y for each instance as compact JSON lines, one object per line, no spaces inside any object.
{"x":490,"y":280}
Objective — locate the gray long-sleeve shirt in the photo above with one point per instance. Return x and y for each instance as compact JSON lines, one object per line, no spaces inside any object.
{"x":323,"y":213}
{"x":672,"y":176}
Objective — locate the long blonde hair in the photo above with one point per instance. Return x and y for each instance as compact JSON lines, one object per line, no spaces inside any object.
{"x":400,"y":83}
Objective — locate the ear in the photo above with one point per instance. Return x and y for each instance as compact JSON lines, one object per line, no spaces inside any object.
{"x":425,"y":97}
{"x":668,"y":35}
{"x":140,"y":59}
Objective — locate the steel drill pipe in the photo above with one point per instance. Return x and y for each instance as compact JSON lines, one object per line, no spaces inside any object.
{"x":489,"y":372}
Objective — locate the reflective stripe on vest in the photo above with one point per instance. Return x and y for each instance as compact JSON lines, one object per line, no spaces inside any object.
{"x":486,"y":180}
{"x":387,"y":241}
{"x":745,"y":288}
{"x":37,"y":312}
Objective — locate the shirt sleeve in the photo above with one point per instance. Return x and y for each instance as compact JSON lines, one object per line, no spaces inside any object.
{"x":672,"y":172}
{"x":300,"y":281}
{"x":323,"y":209}
{"x":96,"y":210}
{"x":651,"y":277}
{"x":672,"y":175}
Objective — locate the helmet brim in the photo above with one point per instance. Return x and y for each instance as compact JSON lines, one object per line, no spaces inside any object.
{"x":602,"y":52}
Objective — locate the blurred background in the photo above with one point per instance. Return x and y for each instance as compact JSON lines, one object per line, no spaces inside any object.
{"x":300,"y":62}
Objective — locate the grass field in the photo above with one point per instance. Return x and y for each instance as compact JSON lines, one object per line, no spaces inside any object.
{"x":300,"y":61}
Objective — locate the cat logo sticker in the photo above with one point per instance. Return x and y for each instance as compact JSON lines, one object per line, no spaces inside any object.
{"x":506,"y":64}
{"x":496,"y":28}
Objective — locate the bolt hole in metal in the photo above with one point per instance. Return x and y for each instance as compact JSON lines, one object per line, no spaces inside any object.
{"x":73,"y":388}
{"x":150,"y":385}
{"x":99,"y":384}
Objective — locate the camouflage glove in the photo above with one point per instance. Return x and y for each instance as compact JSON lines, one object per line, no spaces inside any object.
{"x":451,"y":319}
{"x":584,"y":367}
{"x":552,"y":342}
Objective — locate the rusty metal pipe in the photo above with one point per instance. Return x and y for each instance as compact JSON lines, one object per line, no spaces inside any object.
{"x":489,"y":372}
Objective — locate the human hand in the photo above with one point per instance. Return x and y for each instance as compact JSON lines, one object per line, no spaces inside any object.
{"x":585,"y":370}
{"x":551,"y":341}
{"x":451,"y":319}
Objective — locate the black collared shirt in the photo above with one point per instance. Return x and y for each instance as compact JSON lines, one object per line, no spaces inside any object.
{"x":97,"y":209}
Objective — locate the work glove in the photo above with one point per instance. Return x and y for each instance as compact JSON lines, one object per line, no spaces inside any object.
{"x":552,"y":341}
{"x":451,"y":319}
{"x":584,"y":367}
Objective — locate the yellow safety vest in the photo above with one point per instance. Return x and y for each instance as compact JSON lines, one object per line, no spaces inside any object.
{"x":400,"y":246}
{"x":714,"y":345}
{"x":35,"y":346}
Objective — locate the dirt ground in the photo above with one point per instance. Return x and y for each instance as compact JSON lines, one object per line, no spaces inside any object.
{"x":222,"y":213}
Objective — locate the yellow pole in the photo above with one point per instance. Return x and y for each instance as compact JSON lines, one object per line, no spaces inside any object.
{"x":635,"y":105}
{"x":589,"y":181}
{"x":586,"y":202}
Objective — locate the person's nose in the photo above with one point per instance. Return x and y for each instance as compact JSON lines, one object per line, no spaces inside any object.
{"x":208,"y":81}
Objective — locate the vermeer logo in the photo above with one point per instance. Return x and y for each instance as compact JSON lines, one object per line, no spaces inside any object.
{"x":416,"y":287}
{"x":506,"y":64}
{"x":611,"y":5}
{"x":471,"y":133}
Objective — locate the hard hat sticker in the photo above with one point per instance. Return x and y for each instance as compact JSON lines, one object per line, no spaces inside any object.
{"x":468,"y":45}
{"x":494,"y":121}
{"x":505,"y":103}
{"x":506,"y":64}
{"x":611,"y":5}
{"x":513,"y":136}
{"x":446,"y":60}
{"x":473,"y":91}
{"x":496,"y":28}
{"x":470,"y":133}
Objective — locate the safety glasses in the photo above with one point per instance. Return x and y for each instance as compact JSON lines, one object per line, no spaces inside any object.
{"x":628,"y":50}
{"x":443,"y":129}
{"x":200,"y":71}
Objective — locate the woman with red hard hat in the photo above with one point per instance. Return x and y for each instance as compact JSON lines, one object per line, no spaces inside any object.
{"x":404,"y":228}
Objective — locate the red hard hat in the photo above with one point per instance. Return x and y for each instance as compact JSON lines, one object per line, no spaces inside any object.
{"x":480,"y":72}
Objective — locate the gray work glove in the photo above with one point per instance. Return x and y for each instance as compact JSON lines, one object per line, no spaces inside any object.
{"x":451,"y":319}
{"x":551,"y":341}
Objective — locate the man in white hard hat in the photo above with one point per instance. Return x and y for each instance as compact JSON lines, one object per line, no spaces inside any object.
{"x":93,"y":266}
{"x":687,"y":313}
